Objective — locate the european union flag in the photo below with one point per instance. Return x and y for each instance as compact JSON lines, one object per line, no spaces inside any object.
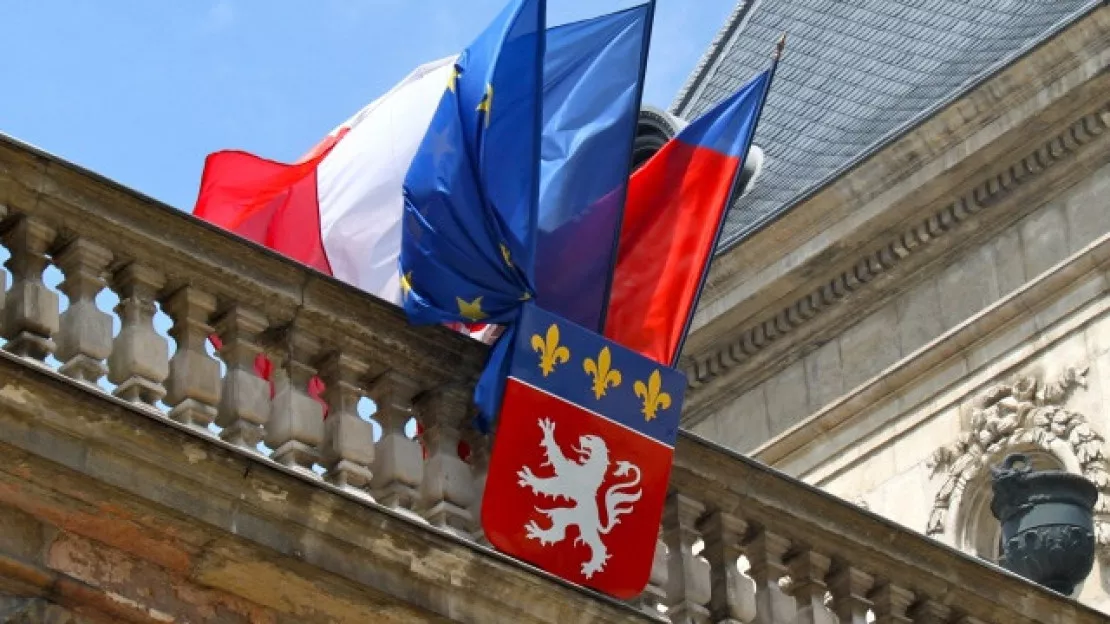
{"x":470,"y":193}
{"x":488,"y":202}
{"x":469,"y":230}
{"x":593,"y":80}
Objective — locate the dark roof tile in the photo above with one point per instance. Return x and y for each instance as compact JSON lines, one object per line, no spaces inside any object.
{"x":855,"y":71}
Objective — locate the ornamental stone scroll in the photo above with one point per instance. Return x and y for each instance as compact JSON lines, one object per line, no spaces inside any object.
{"x":1026,"y":413}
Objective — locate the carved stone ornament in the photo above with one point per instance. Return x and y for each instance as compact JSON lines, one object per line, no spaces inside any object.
{"x":1027,"y":412}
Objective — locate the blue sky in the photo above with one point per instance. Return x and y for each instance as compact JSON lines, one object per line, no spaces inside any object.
{"x":141,"y":90}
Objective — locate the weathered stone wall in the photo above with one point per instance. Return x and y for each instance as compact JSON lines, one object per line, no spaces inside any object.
{"x":226,"y":503}
{"x":1038,"y":384}
{"x":932,"y":304}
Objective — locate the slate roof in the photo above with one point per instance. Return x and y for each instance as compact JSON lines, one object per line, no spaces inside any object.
{"x":856,"y":73}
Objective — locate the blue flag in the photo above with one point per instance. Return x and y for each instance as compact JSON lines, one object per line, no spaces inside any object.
{"x":475,"y":229}
{"x":593,"y":79}
{"x":470,"y":192}
{"x":469,"y":225}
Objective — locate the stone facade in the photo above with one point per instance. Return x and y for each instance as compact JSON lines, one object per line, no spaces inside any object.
{"x":855,"y":367}
{"x":939,"y":305}
{"x":150,"y":478}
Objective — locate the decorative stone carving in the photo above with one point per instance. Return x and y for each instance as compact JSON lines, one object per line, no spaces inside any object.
{"x":1027,"y":412}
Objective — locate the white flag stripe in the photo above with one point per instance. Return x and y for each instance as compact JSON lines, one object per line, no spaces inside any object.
{"x":359,"y":183}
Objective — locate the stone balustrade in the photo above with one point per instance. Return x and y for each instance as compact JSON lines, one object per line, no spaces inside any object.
{"x":389,"y":430}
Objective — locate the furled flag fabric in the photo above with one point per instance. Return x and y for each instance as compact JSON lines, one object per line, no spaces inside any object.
{"x":676,"y":204}
{"x":337,"y":209}
{"x":593,"y":80}
{"x":469,"y":228}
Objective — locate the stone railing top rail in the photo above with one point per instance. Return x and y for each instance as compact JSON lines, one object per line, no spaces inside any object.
{"x":188,"y":251}
{"x":801,"y":545}
{"x":880,"y":557}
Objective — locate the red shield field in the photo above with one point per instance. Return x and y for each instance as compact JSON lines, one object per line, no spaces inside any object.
{"x":582,"y":456}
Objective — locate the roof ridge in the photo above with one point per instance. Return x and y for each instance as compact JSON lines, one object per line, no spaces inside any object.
{"x":737,"y":235}
{"x":721,"y":43}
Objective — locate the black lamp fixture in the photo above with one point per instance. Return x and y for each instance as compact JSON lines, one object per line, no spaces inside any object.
{"x":1047,"y":522}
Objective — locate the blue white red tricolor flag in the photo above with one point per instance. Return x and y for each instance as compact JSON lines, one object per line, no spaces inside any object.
{"x":582,"y":457}
{"x":491,"y":188}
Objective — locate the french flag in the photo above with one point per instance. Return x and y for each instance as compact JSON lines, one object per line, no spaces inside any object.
{"x":676,"y":207}
{"x":338,"y":208}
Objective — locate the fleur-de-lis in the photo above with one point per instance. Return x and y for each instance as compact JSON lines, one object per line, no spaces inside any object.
{"x":604,"y":376}
{"x":551,"y":352}
{"x":652,"y":394}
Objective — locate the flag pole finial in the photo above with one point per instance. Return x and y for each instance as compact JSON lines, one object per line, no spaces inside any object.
{"x":780,"y":46}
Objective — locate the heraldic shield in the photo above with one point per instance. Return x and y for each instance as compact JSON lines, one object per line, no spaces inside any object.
{"x":582,"y":455}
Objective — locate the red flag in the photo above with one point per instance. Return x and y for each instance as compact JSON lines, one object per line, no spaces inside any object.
{"x":676,"y":206}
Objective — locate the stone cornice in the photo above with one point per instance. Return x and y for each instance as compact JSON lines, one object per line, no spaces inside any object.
{"x":895,"y":251}
{"x":816,"y":450}
{"x":824,"y":253}
{"x":222,"y":517}
{"x":219,"y":516}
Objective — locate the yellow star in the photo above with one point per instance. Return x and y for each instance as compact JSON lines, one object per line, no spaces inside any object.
{"x":505,"y":254}
{"x":406,"y":283}
{"x":453,"y":81}
{"x":471,"y":310}
{"x":486,"y":105}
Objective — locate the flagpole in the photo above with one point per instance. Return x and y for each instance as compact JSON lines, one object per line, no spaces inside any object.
{"x":631,"y":161}
{"x":728,"y":204}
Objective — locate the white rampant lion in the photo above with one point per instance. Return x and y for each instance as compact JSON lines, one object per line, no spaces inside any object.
{"x":579,"y":481}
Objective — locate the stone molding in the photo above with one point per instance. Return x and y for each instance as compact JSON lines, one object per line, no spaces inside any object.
{"x":755,"y":338}
{"x":902,"y":253}
{"x":1026,"y":412}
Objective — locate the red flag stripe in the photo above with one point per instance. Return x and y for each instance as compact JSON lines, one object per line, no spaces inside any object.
{"x":674,"y":205}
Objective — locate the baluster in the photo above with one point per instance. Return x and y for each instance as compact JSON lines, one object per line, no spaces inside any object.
{"x":808,"y":570}
{"x":140,"y":357}
{"x":3,"y":276}
{"x":765,"y":552}
{"x":733,"y":596}
{"x":447,"y":491}
{"x":245,"y":398}
{"x":891,"y":603}
{"x":295,"y":430}
{"x":655,"y":594}
{"x":689,"y":576}
{"x":348,"y":440}
{"x":398,"y":460}
{"x":193,"y":387}
{"x":31,"y":312}
{"x":931,"y":612}
{"x":85,"y":338}
{"x":480,"y":446}
{"x":849,"y":590}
